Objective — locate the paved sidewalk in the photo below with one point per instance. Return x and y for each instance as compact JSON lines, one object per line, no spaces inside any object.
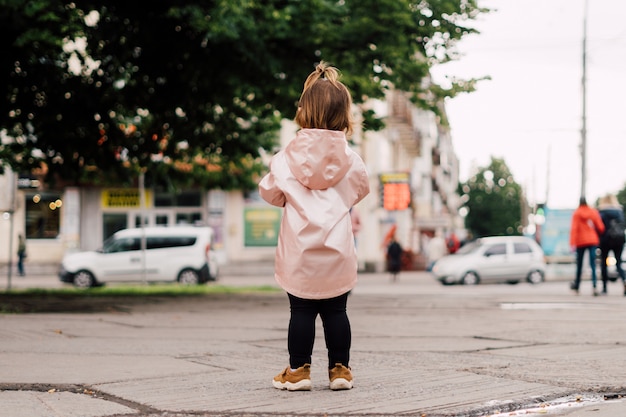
{"x":419,"y":349}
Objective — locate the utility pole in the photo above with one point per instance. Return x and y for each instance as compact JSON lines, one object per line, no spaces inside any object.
{"x":545,"y":200}
{"x":142,"y":214}
{"x":583,"y":131}
{"x":11,"y":215}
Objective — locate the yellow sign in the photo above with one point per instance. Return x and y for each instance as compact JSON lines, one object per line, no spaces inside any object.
{"x":123,"y":198}
{"x":394,"y":177}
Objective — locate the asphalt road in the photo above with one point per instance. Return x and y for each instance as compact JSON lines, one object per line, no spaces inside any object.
{"x":44,"y":276}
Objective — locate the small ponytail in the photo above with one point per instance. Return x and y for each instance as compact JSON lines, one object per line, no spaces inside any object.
{"x":329,"y":106}
{"x":327,"y":72}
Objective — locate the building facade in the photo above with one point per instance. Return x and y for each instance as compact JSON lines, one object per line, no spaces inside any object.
{"x":413,"y":179}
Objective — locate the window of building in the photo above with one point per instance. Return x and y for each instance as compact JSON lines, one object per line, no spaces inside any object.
{"x":188,"y":218}
{"x":146,"y":220}
{"x":43,"y":214}
{"x":183,"y":199}
{"x":112,"y":222}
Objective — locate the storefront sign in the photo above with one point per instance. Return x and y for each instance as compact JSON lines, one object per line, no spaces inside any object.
{"x":123,"y":198}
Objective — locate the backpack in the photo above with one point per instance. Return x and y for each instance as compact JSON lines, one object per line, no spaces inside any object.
{"x":615,"y":231}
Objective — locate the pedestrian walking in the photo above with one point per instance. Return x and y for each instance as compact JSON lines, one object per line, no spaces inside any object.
{"x":394,"y":258}
{"x":586,"y":227}
{"x":453,"y":243}
{"x":21,"y":254}
{"x":435,"y":249}
{"x":612,"y":240}
{"x":317,"y":178}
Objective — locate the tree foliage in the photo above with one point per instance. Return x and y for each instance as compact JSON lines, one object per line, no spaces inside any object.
{"x":191,"y":92}
{"x":621,"y":198}
{"x":493,"y":200}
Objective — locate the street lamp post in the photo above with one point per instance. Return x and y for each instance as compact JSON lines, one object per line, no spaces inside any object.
{"x":583,"y":131}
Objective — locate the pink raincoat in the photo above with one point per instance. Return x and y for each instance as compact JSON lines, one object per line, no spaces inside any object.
{"x":317,"y":178}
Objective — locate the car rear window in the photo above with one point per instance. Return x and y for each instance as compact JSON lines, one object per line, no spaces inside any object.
{"x":521,"y":248}
{"x":159,"y":242}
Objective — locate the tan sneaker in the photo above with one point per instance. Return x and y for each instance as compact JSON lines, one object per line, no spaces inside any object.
{"x":340,"y":377}
{"x":298,"y":380}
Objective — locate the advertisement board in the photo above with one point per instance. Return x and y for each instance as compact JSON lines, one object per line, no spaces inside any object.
{"x":261,"y":226}
{"x":555,"y":234}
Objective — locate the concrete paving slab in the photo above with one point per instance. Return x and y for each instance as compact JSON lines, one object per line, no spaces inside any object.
{"x":29,"y":368}
{"x":57,"y":404}
{"x":418,"y":349}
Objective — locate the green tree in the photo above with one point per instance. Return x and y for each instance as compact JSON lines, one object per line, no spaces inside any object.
{"x":493,"y":200}
{"x":191,"y":92}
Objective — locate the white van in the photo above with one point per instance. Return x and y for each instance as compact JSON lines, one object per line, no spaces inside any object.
{"x":178,"y":253}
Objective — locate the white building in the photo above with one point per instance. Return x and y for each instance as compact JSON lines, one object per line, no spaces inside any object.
{"x":414,"y":152}
{"x":415,"y":143}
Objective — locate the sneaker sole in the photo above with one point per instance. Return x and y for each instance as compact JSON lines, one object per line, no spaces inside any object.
{"x":340,"y":384}
{"x":304,"y":385}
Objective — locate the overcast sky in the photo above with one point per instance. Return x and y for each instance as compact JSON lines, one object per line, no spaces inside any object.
{"x":530,"y":112}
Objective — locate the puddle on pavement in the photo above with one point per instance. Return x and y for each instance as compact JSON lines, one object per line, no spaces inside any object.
{"x":548,"y":306}
{"x":561,"y":405}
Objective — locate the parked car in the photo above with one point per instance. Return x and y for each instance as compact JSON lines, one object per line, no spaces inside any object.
{"x":179,"y":253}
{"x":494,"y":259}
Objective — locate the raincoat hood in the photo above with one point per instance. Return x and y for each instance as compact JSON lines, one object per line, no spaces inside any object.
{"x":317,"y":179}
{"x":318,"y":158}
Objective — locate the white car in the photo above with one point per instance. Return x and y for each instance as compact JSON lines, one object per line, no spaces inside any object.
{"x":150,"y":254}
{"x":494,"y":259}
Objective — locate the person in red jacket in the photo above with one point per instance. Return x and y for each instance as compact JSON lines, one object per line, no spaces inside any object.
{"x":585,"y":230}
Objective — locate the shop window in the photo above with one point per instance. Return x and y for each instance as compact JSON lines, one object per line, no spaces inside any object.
{"x":112,"y":222}
{"x":188,"y":218}
{"x":184,"y":199}
{"x":43,"y":214}
{"x":146,"y":221}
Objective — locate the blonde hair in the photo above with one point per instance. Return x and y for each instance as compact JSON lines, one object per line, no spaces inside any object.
{"x":608,"y":200}
{"x":325,"y":102}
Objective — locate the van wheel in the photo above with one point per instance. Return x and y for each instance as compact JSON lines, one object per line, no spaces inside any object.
{"x":84,"y":279}
{"x":535,"y":277}
{"x":189,"y":277}
{"x":470,"y":278}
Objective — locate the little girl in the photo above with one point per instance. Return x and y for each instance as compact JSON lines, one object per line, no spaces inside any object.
{"x":317,"y":178}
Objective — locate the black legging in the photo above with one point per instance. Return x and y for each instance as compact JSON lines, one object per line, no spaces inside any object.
{"x":301,"y":335}
{"x":616,"y":248}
